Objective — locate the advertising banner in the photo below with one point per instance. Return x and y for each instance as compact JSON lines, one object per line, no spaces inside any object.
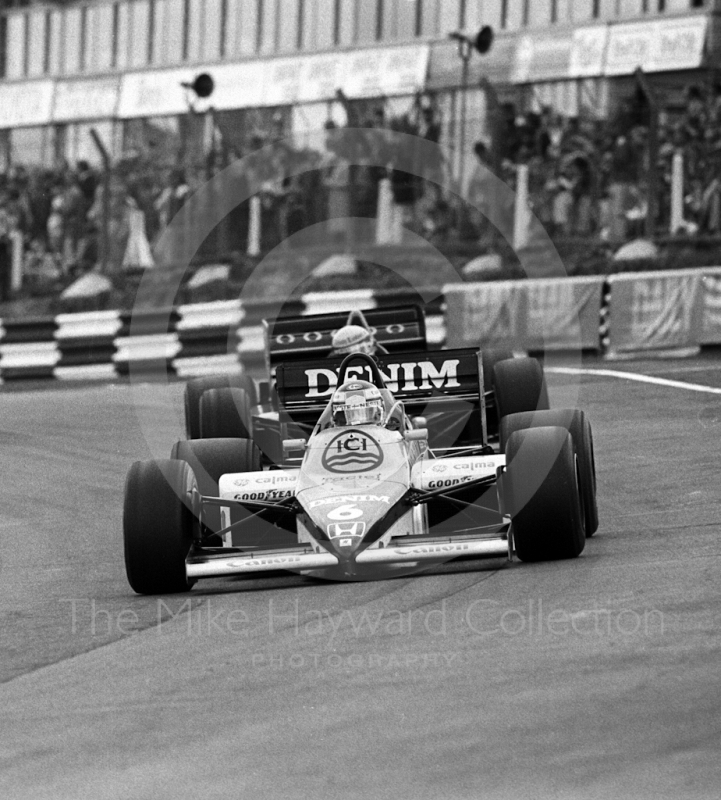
{"x":320,"y":77}
{"x":663,"y":46}
{"x":542,"y":58}
{"x":86,"y":99}
{"x":374,"y":72}
{"x":588,"y":52}
{"x":26,"y":104}
{"x":237,"y":85}
{"x":390,"y":71}
{"x":711,"y":324}
{"x":655,"y":311}
{"x":485,"y":314}
{"x":154,"y":94}
{"x":563,"y":313}
{"x":544,"y":314}
{"x":678,"y":44}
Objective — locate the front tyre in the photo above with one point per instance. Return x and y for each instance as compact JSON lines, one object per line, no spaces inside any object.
{"x":540,"y":491}
{"x":209,"y":459}
{"x":577,"y":424}
{"x":158,"y":524}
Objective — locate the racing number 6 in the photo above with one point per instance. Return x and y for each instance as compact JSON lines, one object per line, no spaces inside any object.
{"x":345,"y":512}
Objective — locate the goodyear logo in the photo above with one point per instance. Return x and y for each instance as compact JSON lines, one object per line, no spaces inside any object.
{"x":352,"y":451}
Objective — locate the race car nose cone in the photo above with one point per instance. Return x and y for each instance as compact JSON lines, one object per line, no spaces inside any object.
{"x":344,"y":547}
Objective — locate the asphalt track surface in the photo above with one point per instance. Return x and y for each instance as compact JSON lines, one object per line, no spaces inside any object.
{"x":592,"y":678}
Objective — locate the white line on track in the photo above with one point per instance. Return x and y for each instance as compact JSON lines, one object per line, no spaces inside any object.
{"x":635,"y":376}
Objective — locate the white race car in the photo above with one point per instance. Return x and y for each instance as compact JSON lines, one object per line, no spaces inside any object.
{"x":366,"y":494}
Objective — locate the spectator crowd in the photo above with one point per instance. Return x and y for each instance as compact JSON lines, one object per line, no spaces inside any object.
{"x":588,"y":178}
{"x":591,"y":177}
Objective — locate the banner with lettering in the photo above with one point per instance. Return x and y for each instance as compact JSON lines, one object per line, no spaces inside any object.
{"x":711,"y":323}
{"x":655,"y":311}
{"x":563,"y":313}
{"x":485,"y":314}
{"x":544,"y":314}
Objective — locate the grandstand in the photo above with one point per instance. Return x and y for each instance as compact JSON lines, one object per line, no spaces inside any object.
{"x":99,"y":95}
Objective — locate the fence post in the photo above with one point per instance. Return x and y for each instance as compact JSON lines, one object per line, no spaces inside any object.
{"x":17,"y":257}
{"x":521,"y":216}
{"x":676,"y":193}
{"x":254,"y":226}
{"x":105,"y":221}
{"x":652,"y":177}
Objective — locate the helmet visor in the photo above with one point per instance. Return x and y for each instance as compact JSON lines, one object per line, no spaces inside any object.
{"x":364,"y":414}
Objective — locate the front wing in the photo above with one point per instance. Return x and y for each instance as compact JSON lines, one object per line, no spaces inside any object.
{"x":409,"y":550}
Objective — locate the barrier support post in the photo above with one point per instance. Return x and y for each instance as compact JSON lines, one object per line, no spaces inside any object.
{"x":676,"y":193}
{"x":254,"y":226}
{"x":521,"y":217}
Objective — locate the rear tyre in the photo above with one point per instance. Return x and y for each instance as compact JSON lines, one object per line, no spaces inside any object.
{"x":158,"y":525}
{"x":540,"y":491}
{"x":519,"y":385}
{"x":490,"y":358}
{"x":194,"y":391}
{"x":575,"y":422}
{"x":209,"y":459}
{"x":225,"y":414}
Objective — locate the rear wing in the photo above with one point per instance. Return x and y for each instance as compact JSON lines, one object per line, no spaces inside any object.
{"x":444,"y":386}
{"x":291,"y":339}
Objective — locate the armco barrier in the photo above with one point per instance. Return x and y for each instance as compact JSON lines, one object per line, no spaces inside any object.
{"x":621,"y":313}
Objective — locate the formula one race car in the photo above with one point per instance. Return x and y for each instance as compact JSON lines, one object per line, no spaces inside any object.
{"x":374,"y":489}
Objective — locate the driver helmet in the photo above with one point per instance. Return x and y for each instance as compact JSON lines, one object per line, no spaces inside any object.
{"x":357,"y":403}
{"x":353,"y":339}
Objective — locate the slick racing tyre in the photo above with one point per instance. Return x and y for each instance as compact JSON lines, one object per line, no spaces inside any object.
{"x":489,"y":359}
{"x":194,"y":391}
{"x":576,"y":423}
{"x":209,"y":459}
{"x":540,"y":491}
{"x":519,"y":385}
{"x":158,"y":525}
{"x":225,"y":414}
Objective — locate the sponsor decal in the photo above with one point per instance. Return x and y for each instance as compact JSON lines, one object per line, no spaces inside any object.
{"x":268,"y":478}
{"x":442,"y":483}
{"x":352,"y":451}
{"x":351,"y":498}
{"x":266,"y":494}
{"x":260,"y":563}
{"x":431,"y":549}
{"x":344,"y":529}
{"x":311,"y":337}
{"x":439,"y":468}
{"x":341,"y":478}
{"x":475,"y":465}
{"x":410,"y":376}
